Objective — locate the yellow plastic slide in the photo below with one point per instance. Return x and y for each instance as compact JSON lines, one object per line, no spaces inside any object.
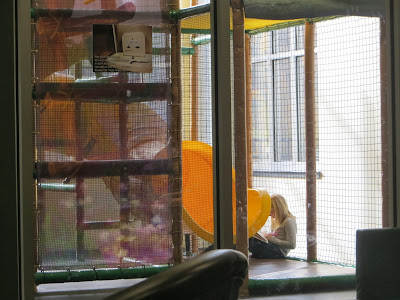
{"x":197,"y":193}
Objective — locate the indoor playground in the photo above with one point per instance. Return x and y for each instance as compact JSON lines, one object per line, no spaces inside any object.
{"x":123,"y":135}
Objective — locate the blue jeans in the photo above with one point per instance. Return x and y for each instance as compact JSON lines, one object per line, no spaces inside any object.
{"x":259,"y":249}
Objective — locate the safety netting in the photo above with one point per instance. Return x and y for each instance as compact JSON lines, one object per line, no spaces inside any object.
{"x":347,"y":115}
{"x":347,"y":129}
{"x":105,"y":127}
{"x":101,"y":96}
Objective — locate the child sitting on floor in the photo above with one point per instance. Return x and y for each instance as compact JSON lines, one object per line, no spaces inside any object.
{"x":283,"y":236}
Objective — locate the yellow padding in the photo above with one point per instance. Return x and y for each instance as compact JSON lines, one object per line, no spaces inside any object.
{"x":203,"y":22}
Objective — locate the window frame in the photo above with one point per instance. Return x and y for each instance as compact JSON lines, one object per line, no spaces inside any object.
{"x":262,"y":164}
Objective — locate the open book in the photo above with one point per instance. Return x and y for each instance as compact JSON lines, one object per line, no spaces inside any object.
{"x":260,"y":237}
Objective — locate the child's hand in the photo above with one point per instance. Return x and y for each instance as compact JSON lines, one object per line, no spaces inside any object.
{"x":269,"y":235}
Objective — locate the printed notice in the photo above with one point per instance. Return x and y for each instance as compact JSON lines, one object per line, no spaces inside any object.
{"x":122,"y":48}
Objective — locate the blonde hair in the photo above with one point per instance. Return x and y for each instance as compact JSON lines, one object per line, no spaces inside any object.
{"x":281,"y":209}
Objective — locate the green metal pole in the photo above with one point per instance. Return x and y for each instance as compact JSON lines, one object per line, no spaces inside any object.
{"x":201,"y":40}
{"x":44,"y":277}
{"x":190,"y":11}
{"x":57,"y":187}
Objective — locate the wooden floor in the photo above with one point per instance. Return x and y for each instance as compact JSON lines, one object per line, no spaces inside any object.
{"x":337,"y":295}
{"x":275,"y":275}
{"x":299,"y":280}
{"x":286,"y":268}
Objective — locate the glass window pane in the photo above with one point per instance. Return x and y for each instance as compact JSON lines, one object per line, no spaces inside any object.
{"x":260,"y":129}
{"x":281,"y":40}
{"x":299,"y":37}
{"x":301,"y":135}
{"x":282,"y":111}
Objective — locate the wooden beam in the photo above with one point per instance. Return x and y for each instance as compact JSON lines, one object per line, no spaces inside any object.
{"x":249,"y":97}
{"x":175,"y":138}
{"x":311,"y":170}
{"x":101,"y":168}
{"x":95,"y":91}
{"x":239,"y":66}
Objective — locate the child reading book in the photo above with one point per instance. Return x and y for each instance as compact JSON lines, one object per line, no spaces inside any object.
{"x":283,"y":237}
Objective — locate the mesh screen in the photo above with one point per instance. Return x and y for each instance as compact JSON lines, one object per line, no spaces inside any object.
{"x":348,"y":125}
{"x":348,"y":121}
{"x":197,"y":127}
{"x":96,"y":207}
{"x":100,"y":197}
